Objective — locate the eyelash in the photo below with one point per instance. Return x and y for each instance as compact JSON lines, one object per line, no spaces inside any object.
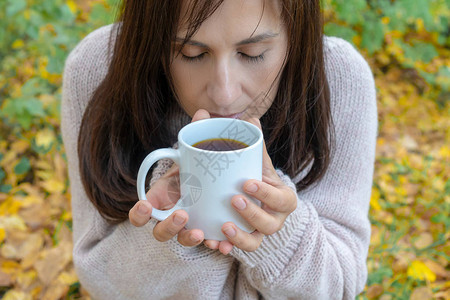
{"x":251,"y":59}
{"x":192,"y":58}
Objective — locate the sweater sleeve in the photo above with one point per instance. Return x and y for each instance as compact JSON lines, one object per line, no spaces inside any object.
{"x":322,"y":249}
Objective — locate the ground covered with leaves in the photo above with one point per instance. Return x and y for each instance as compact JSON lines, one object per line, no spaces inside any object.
{"x":407,"y":46}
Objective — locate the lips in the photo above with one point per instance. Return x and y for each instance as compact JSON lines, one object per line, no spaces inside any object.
{"x":231,"y":116}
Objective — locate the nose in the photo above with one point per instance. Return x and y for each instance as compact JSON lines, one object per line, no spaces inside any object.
{"x":224,"y":87}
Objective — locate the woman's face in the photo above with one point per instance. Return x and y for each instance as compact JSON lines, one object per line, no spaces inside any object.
{"x":230,"y":64}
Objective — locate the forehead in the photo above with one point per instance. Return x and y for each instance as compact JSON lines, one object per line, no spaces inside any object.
{"x":242,"y":18}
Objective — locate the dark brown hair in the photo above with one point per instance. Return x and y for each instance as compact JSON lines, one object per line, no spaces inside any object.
{"x":122,"y":122}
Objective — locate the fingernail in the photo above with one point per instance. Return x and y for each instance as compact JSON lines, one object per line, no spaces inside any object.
{"x":143,"y":209}
{"x":229,"y":231}
{"x":178,"y":220}
{"x":251,"y":188}
{"x":240,"y":204}
{"x":195,"y":238}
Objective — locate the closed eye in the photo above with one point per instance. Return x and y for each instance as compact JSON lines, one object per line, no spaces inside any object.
{"x":192,"y":58}
{"x":252,"y":59}
{"x":249,"y":58}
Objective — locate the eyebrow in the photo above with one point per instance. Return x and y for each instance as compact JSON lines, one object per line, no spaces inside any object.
{"x":251,"y":40}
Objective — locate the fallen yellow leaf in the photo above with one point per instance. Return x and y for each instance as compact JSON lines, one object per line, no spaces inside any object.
{"x":55,"y":291}
{"x":16,"y":295}
{"x":385,"y":297}
{"x":45,"y":137}
{"x":33,"y":243}
{"x":72,"y":6}
{"x":10,"y":207}
{"x":418,"y":270}
{"x":10,"y":266}
{"x":5,"y":279}
{"x":26,"y":278}
{"x":374,"y":199}
{"x":424,"y":240}
{"x":18,"y":44}
{"x":400,"y":265}
{"x":442,"y":295}
{"x":438,"y":269}
{"x":53,"y":262}
{"x":20,"y":146}
{"x":2,"y":234}
{"x":421,"y":293}
{"x":68,"y":278}
{"x":53,"y":186}
{"x":66,"y":216}
{"x":12,"y":223}
{"x":31,"y":200}
{"x":420,"y":25}
{"x":27,"y":14}
{"x":36,"y":215}
{"x":374,"y":291}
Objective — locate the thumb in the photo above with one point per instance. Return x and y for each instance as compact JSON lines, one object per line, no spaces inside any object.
{"x":256,"y":122}
{"x":140,"y":213}
{"x":200,"y":114}
{"x":268,"y":168}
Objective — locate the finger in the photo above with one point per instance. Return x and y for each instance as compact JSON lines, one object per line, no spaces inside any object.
{"x":225,"y":247}
{"x":200,"y":114}
{"x":167,"y":229}
{"x":173,"y":171}
{"x":268,"y":168}
{"x":257,"y":217}
{"x":140,"y":213}
{"x":190,"y":238}
{"x":241,"y":239}
{"x":212,"y":244}
{"x":256,"y":122}
{"x":277,"y":198}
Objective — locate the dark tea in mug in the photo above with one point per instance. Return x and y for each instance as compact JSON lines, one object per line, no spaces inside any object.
{"x":220,"y":145}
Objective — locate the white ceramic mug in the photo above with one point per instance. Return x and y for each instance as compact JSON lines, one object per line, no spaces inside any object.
{"x":209,"y":178}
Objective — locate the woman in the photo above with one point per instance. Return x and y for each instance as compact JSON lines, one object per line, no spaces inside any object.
{"x":130,"y":87}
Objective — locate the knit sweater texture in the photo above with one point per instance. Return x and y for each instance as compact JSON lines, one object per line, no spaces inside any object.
{"x":321,"y":251}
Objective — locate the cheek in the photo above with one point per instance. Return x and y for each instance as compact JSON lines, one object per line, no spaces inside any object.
{"x":266,"y":77}
{"x":183,"y":80}
{"x":265,"y":85}
{"x":187,"y":87}
{"x":179,"y":77}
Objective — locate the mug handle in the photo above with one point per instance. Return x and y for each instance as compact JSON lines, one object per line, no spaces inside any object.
{"x":150,"y":159}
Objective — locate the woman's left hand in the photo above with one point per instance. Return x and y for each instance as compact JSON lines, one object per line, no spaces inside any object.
{"x":278,"y":201}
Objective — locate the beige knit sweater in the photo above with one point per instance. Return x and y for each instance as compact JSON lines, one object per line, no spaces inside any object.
{"x":319,"y":254}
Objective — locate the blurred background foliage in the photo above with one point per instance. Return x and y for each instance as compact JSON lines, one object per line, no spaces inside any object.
{"x":405,"y":42}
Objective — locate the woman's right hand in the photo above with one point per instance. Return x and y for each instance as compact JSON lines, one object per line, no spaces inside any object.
{"x":163,"y":195}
